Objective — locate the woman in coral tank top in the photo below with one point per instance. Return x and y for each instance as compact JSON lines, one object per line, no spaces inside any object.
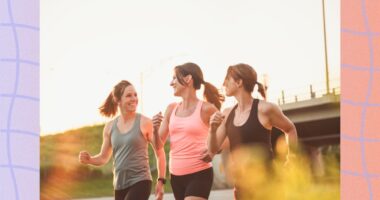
{"x":186,"y":123}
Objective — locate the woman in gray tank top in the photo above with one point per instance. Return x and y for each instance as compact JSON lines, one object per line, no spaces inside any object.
{"x":126,"y":139}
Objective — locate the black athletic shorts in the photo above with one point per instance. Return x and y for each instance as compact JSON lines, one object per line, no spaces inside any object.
{"x":197,"y":184}
{"x":138,"y":191}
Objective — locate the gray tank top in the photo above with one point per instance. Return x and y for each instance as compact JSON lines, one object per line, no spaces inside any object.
{"x":130,"y":155}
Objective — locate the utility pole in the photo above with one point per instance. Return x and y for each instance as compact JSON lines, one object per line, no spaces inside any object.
{"x":325,"y":41}
{"x":265,"y":84}
{"x":141,"y":93}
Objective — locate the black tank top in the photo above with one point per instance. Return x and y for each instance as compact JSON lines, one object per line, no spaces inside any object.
{"x":252,"y":132}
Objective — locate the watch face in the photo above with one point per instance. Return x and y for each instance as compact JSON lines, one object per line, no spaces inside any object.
{"x":162,"y":180}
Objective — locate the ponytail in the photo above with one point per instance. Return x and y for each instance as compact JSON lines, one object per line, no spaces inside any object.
{"x":109,"y":107}
{"x":212,"y":95}
{"x":262,"y":90}
{"x":248,"y":75}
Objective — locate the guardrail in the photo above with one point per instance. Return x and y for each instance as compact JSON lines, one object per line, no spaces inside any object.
{"x":293,"y":97}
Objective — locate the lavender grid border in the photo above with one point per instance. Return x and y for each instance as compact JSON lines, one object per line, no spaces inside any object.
{"x":19,"y":99}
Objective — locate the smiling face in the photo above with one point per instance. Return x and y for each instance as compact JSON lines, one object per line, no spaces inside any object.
{"x":129,"y":100}
{"x":176,"y":84}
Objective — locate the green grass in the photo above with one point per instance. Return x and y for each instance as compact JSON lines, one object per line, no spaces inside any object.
{"x":93,"y":188}
{"x":69,"y":189}
{"x":66,"y":147}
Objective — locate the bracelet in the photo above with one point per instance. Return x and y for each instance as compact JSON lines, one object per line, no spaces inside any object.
{"x":163,"y":180}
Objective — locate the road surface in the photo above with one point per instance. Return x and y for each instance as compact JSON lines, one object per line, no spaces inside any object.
{"x":215,"y":195}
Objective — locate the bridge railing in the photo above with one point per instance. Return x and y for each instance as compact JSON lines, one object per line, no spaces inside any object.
{"x":307,"y":93}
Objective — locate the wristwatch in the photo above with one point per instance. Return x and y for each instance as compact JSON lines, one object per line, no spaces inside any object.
{"x":163,"y":180}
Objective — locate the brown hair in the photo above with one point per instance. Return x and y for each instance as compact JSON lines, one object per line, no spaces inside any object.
{"x":109,"y":107}
{"x":248,"y":75}
{"x":211,"y":93}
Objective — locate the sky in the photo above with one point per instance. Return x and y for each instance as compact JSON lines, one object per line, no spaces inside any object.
{"x":88,"y":46}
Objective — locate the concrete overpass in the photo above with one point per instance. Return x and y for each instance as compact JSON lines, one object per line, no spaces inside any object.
{"x":317,"y":120}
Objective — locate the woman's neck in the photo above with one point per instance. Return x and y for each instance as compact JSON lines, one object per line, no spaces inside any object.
{"x":189,"y":99}
{"x":244,"y":100}
{"x":127,"y":116}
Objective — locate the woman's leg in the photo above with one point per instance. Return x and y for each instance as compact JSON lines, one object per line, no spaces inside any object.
{"x":139,"y":191}
{"x":120,"y":194}
{"x":199,"y":186}
{"x":178,"y":188}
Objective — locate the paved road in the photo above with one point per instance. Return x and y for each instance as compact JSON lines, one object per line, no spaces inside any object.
{"x":215,"y":195}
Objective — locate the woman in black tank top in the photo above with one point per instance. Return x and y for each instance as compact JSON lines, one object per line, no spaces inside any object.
{"x":251,"y":132}
{"x":248,"y":124}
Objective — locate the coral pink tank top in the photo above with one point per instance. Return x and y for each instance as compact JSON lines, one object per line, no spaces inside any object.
{"x":188,"y":142}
